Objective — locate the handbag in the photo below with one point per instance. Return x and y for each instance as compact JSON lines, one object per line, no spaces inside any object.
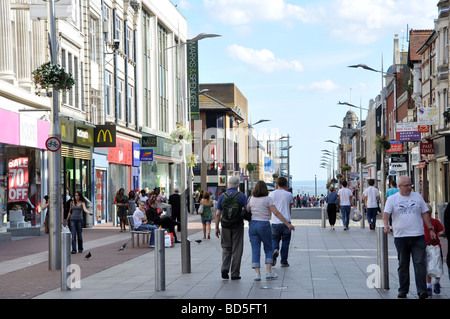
{"x":246,"y":214}
{"x":200,"y":209}
{"x":434,"y":261}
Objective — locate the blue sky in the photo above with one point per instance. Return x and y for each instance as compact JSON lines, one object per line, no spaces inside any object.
{"x":289,"y":58}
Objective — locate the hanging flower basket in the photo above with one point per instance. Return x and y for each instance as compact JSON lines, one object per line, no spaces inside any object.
{"x":52,"y":76}
{"x":382,"y":143}
{"x":181,"y":133}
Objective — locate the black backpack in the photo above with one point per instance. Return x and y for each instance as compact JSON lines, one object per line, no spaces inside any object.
{"x":231,"y":211}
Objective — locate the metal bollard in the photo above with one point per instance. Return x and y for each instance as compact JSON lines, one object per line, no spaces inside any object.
{"x":160,"y":263}
{"x":65,"y":260}
{"x":382,"y":258}
{"x":323,"y":217}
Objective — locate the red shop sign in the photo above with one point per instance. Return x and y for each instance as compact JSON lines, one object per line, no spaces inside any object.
{"x":427,"y":148}
{"x":18,"y":179}
{"x":122,"y":153}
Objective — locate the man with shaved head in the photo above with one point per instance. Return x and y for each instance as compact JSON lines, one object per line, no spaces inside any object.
{"x":409,"y":212}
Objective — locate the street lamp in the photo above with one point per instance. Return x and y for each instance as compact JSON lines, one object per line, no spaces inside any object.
{"x":258,"y":122}
{"x":360,"y":154}
{"x":185,"y":249}
{"x":383,"y":173}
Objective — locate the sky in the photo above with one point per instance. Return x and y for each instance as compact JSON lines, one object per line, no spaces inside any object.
{"x":290,"y":60}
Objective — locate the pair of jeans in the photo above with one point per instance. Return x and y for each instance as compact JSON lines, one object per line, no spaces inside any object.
{"x":259,"y":232}
{"x":372,"y":216}
{"x":148,"y":227}
{"x":345,"y":211}
{"x":283,"y":233}
{"x":414,"y":247}
{"x":76,"y":227}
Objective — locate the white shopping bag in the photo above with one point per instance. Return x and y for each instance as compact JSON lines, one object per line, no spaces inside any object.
{"x":434,"y":261}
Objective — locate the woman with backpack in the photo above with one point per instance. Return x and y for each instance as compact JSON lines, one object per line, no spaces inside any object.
{"x":260,"y":231}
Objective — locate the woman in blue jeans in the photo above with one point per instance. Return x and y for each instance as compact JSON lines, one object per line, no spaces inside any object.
{"x":75,"y":216}
{"x":261,"y":206}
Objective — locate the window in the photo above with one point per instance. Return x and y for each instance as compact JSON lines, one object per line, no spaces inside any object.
{"x":163,"y":71}
{"x":118,"y":34}
{"x":146,"y":48}
{"x":445,"y":47}
{"x":108,"y":93}
{"x":93,"y":39}
{"x":130,"y":44}
{"x":107,"y":25}
{"x":63,"y":64}
{"x":120,"y":107}
{"x":70,"y":64}
{"x":130,"y":104}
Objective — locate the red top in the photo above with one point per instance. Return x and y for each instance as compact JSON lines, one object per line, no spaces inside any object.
{"x":437,"y":229}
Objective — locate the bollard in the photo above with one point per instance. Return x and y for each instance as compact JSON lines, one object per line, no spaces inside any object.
{"x":323,"y":217}
{"x":160,"y":266}
{"x":382,"y":258}
{"x":65,"y":260}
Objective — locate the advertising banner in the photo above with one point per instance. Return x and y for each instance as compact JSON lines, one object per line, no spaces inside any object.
{"x":192,"y":72}
{"x":428,"y":115}
{"x":18,"y":179}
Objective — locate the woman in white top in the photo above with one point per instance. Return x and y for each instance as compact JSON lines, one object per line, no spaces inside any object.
{"x":261,"y":206}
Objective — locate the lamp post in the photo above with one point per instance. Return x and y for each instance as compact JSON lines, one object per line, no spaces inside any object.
{"x":54,"y":158}
{"x":360,"y":155}
{"x":185,"y":248}
{"x":383,"y":173}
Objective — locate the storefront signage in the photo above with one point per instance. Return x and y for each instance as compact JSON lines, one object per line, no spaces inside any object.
{"x":398,"y":162}
{"x":136,"y":154}
{"x":105,"y":136}
{"x":18,"y":179}
{"x":122,"y":153}
{"x":428,"y":115}
{"x":149,"y":141}
{"x":192,"y":71}
{"x":407,"y":132}
{"x":427,"y":148}
{"x":395,"y":147}
{"x":146,"y":155}
{"x":84,"y":135}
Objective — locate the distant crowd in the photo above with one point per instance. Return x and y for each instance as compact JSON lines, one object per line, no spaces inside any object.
{"x":308,"y":201}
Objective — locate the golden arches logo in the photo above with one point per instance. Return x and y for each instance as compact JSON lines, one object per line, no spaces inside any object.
{"x":104,"y":133}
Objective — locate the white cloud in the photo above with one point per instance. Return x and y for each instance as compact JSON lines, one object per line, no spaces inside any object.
{"x":262,"y":60}
{"x":323,"y":86}
{"x":236,"y":12}
{"x":359,"y":21}
{"x":365,"y":21}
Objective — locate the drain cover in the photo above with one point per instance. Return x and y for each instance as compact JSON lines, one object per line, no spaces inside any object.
{"x":274,"y":287}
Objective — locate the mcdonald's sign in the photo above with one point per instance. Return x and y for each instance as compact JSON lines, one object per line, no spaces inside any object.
{"x":105,"y":136}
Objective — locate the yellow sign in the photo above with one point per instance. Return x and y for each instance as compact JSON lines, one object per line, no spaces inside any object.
{"x":105,"y":136}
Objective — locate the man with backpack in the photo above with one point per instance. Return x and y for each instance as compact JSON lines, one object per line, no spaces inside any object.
{"x":229,"y":208}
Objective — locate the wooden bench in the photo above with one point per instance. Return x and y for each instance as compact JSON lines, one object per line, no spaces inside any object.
{"x":145,"y":234}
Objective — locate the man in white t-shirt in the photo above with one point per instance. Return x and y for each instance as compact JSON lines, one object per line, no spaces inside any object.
{"x":345,"y":203}
{"x":409,"y":214}
{"x":140,"y":222}
{"x":371,"y":198}
{"x":283,"y":201}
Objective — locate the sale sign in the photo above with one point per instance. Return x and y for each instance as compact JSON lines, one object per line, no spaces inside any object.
{"x":18,"y":179}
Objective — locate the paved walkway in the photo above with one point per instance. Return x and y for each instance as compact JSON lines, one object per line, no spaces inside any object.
{"x":324,"y":264}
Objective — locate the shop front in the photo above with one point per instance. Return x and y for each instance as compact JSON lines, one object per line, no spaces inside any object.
{"x":22,"y":166}
{"x":76,"y":153}
{"x":120,"y":161}
{"x":160,"y":160}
